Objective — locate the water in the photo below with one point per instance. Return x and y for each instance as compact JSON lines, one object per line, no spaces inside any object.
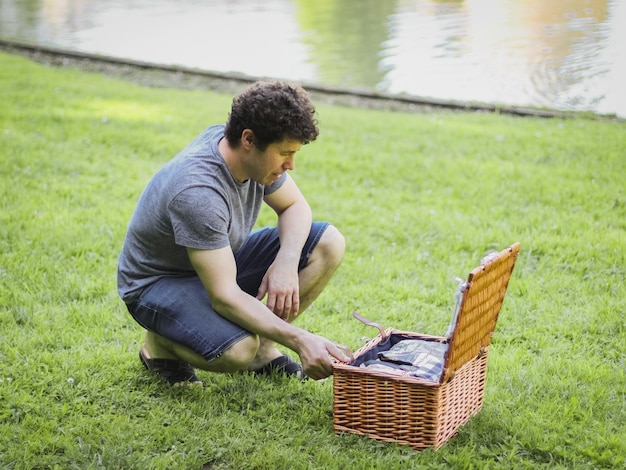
{"x":561,"y":54}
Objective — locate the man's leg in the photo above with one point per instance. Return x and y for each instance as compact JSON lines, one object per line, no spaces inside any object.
{"x":324,"y":261}
{"x":182,"y":326}
{"x":237,"y":357}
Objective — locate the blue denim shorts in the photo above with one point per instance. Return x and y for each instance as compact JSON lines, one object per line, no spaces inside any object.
{"x":178,"y":308}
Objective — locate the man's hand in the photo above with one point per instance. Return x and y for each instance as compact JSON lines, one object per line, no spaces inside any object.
{"x":317,"y":353}
{"x":281,"y":284}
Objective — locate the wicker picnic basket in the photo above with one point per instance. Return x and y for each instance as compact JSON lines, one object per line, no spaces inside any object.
{"x":415,"y":411}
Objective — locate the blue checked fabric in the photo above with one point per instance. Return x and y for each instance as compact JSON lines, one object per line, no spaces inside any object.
{"x":412,"y":357}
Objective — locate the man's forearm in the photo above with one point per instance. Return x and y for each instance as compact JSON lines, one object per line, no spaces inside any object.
{"x":294,"y":225}
{"x":254,"y":316}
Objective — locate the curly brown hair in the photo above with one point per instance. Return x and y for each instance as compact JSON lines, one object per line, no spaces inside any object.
{"x":273,"y":111}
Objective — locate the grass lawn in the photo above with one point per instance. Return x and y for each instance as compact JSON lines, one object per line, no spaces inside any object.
{"x":419,"y":197}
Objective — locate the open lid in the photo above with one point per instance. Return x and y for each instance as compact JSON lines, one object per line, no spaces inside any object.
{"x":479,"y":309}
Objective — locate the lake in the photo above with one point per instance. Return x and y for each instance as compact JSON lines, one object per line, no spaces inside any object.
{"x":560,"y":54}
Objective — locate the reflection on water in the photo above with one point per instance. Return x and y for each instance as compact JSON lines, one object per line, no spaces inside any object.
{"x":561,"y":54}
{"x":346,"y":39}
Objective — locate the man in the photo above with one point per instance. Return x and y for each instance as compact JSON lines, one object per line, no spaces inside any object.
{"x":195,"y":277}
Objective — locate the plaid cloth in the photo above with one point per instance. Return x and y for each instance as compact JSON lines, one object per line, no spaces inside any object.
{"x":412,"y":357}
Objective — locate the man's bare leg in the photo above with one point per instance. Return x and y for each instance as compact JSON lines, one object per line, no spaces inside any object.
{"x":235,"y":358}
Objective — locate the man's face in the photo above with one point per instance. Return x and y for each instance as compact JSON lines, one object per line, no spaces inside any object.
{"x":275,"y":160}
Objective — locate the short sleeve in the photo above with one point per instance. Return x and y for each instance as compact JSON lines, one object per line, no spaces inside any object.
{"x":200,"y":218}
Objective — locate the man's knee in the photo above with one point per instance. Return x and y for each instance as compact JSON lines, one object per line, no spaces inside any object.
{"x":331,"y":246}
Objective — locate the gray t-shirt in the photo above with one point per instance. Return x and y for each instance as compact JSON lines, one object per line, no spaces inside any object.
{"x":192,"y":202}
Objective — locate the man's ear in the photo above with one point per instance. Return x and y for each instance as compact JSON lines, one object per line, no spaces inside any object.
{"x":247,"y":139}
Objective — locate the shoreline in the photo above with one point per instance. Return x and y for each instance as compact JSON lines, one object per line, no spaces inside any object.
{"x":181,"y":77}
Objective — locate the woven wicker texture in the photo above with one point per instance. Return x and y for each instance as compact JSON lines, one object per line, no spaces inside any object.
{"x":407,"y":410}
{"x":480,"y":308}
{"x":415,"y":411}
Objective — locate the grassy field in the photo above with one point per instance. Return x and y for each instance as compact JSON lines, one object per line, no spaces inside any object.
{"x":420,"y":198}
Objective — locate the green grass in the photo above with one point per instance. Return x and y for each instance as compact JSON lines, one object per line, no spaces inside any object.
{"x":419,"y":198}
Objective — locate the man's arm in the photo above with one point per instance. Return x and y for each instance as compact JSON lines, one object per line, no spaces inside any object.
{"x":217,"y":271}
{"x":294,"y":224}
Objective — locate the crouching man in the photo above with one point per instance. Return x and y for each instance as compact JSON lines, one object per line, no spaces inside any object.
{"x":212,"y":293}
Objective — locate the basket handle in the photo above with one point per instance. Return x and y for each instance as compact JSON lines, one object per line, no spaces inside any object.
{"x":362,"y":319}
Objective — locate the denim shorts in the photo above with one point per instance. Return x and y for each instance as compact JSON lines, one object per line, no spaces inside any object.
{"x":179,"y":309}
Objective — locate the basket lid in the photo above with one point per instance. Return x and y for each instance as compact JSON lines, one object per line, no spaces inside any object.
{"x":479,"y":309}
